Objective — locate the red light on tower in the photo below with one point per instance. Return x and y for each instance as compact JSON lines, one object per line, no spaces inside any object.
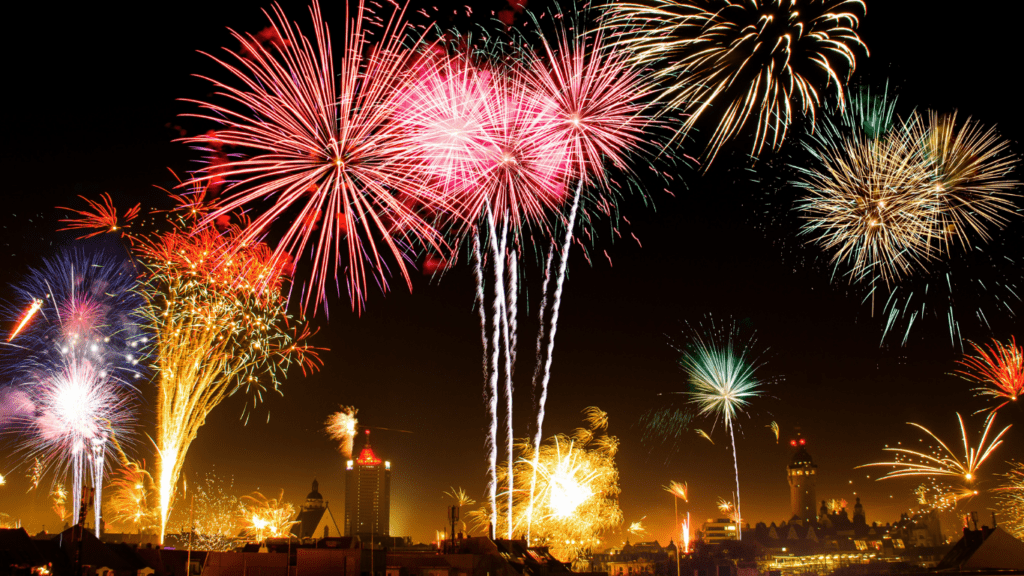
{"x":792,"y":443}
{"x":802,"y":441}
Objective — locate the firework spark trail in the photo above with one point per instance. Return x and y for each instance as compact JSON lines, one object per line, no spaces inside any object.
{"x":736,"y":468}
{"x":510,"y":361}
{"x":998,"y":368}
{"x":223,"y":328}
{"x":944,"y":462}
{"x":493,"y":386}
{"x":501,"y":325}
{"x":749,"y":65}
{"x":555,"y":305}
{"x":541,"y":316}
{"x":32,"y":309}
{"x":686,"y":534}
{"x":321,"y":141}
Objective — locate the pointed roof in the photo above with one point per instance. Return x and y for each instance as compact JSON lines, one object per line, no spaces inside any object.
{"x":366,"y":455}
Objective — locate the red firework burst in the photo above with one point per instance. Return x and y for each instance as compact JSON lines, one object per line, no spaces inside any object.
{"x":998,"y":368}
{"x":318,"y":146}
{"x":101,"y":219}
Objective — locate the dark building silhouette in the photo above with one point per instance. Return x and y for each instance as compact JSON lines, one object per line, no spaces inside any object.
{"x":802,"y":479}
{"x":368,"y":496}
{"x":315,"y":519}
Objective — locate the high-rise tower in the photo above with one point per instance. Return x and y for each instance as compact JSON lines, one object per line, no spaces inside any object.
{"x":368,"y":496}
{"x":802,"y":478}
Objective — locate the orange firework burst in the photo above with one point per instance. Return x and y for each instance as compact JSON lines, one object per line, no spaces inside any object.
{"x":264,"y":517}
{"x":998,"y":368}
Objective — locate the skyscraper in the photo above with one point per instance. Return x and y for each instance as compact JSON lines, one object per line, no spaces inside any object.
{"x":368,"y":496}
{"x":802,"y":479}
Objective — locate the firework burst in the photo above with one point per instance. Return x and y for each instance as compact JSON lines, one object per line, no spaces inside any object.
{"x":76,"y":411}
{"x":577,"y":492}
{"x":999,"y":370}
{"x":721,"y":370}
{"x":86,"y":304}
{"x":213,"y":514}
{"x":319,"y":144}
{"x":218,"y":310}
{"x":222,"y":328}
{"x":678,"y":489}
{"x":890,"y":197}
{"x":1010,"y":495}
{"x":757,"y":62}
{"x":131,"y":502}
{"x":341,"y":427}
{"x":942,"y":461}
{"x":263,"y":517}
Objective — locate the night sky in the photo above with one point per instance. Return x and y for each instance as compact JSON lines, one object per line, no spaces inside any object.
{"x":92,"y":98}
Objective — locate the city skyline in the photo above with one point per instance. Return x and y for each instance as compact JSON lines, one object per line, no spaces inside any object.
{"x":99,"y":113}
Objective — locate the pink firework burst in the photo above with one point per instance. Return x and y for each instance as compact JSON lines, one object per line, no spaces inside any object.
{"x":315,"y":147}
{"x":595,"y":97}
{"x":485,"y":142}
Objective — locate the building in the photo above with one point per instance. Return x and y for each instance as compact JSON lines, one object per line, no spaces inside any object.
{"x":802,"y":479}
{"x":315,"y":519}
{"x":635,"y":559}
{"x":368,"y":496}
{"x":718,"y":531}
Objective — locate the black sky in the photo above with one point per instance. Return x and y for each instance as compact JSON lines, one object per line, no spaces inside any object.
{"x":90,"y":91}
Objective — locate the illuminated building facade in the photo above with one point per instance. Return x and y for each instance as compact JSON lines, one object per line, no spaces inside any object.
{"x":368,"y":496}
{"x":718,"y":531}
{"x":802,"y":479}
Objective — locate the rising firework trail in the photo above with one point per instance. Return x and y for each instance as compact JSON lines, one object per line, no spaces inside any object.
{"x":942,"y":461}
{"x":721,"y":368}
{"x":998,"y":369}
{"x":756,"y":62}
{"x":317,"y":151}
